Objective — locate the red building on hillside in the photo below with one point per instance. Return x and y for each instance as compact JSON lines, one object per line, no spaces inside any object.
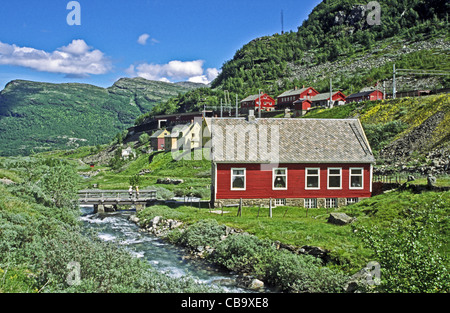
{"x":287,"y":98}
{"x":252,"y":103}
{"x":301,"y":106}
{"x":298,"y":162}
{"x":323,"y":99}
{"x":366,"y":95}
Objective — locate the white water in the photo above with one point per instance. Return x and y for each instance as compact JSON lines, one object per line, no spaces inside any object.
{"x":167,"y":258}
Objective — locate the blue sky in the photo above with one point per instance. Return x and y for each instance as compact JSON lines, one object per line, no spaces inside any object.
{"x":156,"y":39}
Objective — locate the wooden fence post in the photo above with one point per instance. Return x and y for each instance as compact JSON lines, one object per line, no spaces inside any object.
{"x":240,"y":208}
{"x":270,"y":208}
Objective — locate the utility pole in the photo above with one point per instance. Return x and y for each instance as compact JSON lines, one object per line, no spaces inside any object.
{"x":282,"y":22}
{"x":221,"y":109}
{"x":237,"y":113}
{"x":330,"y":103}
{"x":394,"y":87}
{"x":384,"y":90}
{"x":259,"y":90}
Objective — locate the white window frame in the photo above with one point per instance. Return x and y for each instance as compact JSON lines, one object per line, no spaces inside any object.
{"x":245,"y":178}
{"x":275,"y":175}
{"x":306,"y":178}
{"x":331,"y":203}
{"x":280,"y":202}
{"x":352,"y":200}
{"x":350,"y":177}
{"x":340,"y":177}
{"x":309,"y":203}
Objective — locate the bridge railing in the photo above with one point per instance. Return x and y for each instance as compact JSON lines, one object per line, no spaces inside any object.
{"x":115,"y":195}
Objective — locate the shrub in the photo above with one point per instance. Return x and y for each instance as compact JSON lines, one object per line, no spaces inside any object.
{"x":409,"y":259}
{"x":244,"y":253}
{"x":379,"y":135}
{"x":203,"y":233}
{"x":162,"y":193}
{"x":303,"y":273}
{"x":291,"y":272}
{"x":144,"y":138}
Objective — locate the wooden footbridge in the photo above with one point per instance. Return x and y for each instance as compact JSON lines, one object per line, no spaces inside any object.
{"x":110,"y":200}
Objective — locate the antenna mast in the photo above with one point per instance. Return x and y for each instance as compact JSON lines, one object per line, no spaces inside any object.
{"x":282,"y":22}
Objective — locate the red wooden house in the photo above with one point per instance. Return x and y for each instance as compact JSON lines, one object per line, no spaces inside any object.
{"x":301,"y":106}
{"x":366,"y":95}
{"x":323,"y":99}
{"x":252,"y":103}
{"x":287,"y":98}
{"x":297,"y":162}
{"x":157,"y":139}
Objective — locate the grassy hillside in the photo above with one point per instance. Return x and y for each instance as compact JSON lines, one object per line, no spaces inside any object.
{"x":39,"y":238}
{"x":195,"y":175}
{"x":40,"y":116}
{"x":337,"y":43}
{"x":422,"y":124}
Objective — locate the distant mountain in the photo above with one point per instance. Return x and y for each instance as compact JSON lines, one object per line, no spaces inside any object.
{"x":37,"y":116}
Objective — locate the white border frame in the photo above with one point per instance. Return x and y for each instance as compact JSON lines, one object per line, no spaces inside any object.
{"x":231,"y":178}
{"x":328,"y":178}
{"x":350,"y":178}
{"x":274,"y":175}
{"x":306,"y":178}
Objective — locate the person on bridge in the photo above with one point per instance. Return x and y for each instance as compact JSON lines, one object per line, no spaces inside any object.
{"x":131,"y":192}
{"x":137,"y":192}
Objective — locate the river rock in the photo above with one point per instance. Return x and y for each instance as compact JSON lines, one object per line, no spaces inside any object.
{"x":133,"y":218}
{"x":174,"y":224}
{"x":6,"y":181}
{"x":256,"y":284}
{"x":431,"y":181}
{"x":169,"y":181}
{"x":340,"y":219}
{"x":156,"y":220}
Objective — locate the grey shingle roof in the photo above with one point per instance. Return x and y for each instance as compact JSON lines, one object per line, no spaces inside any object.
{"x":292,"y":92}
{"x":289,"y":140}
{"x":360,"y":94}
{"x":323,"y":96}
{"x":254,"y":97}
{"x":251,"y":98}
{"x":157,"y":133}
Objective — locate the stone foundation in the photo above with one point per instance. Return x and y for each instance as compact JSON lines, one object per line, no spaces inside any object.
{"x":295,"y":202}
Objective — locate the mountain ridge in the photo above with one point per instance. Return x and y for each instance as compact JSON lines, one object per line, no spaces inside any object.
{"x":40,"y":116}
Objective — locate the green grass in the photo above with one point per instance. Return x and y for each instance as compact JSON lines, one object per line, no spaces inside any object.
{"x":194,"y":173}
{"x":294,"y":228}
{"x":441,"y":181}
{"x":299,"y":227}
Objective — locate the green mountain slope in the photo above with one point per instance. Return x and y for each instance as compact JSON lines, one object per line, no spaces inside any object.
{"x":414,"y":132}
{"x":337,"y":42}
{"x":41,"y":116}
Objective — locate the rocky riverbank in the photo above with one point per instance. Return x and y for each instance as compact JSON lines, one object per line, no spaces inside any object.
{"x":162,"y":228}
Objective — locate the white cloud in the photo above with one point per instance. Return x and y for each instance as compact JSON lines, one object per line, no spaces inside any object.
{"x":211,"y":74}
{"x":174,"y":71}
{"x":76,"y":59}
{"x":142,"y":40}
